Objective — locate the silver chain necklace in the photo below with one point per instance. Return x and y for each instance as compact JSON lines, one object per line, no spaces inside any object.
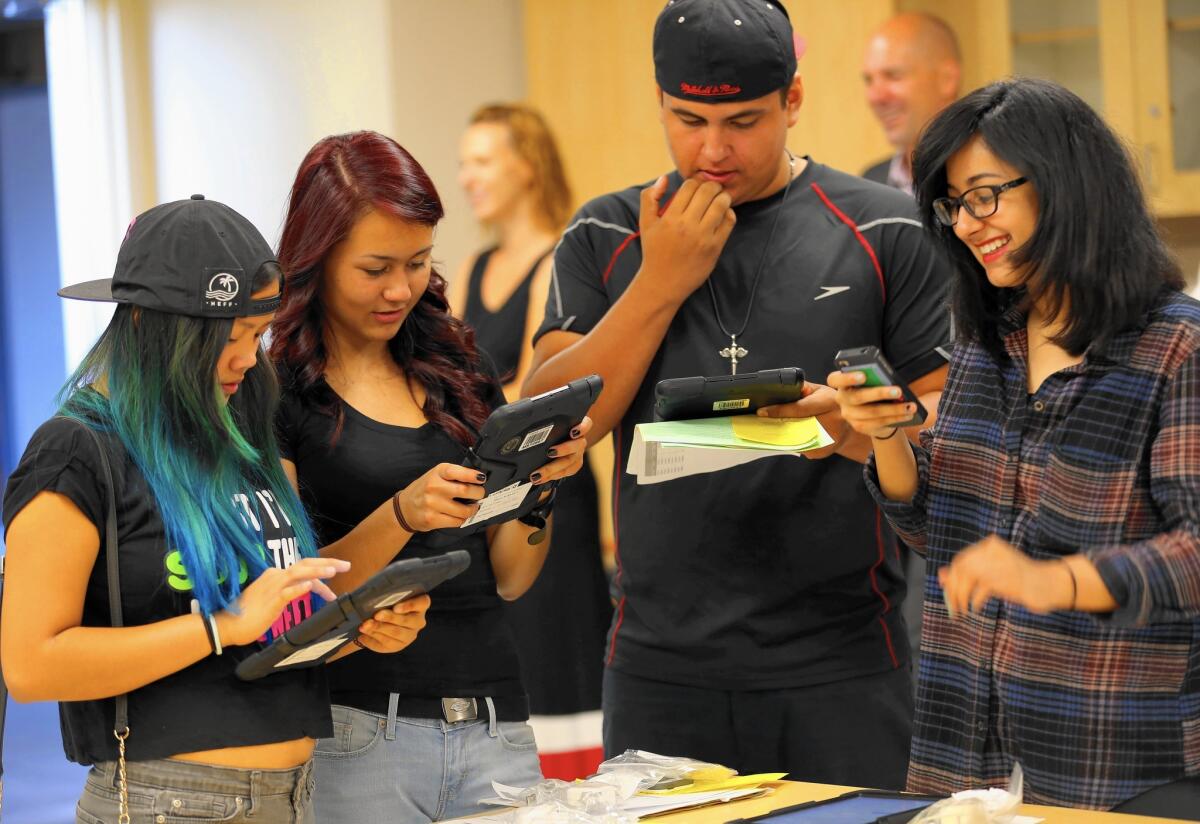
{"x":734,"y":351}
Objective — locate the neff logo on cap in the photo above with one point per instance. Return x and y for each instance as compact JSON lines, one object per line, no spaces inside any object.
{"x":717,"y":90}
{"x":222,"y":289}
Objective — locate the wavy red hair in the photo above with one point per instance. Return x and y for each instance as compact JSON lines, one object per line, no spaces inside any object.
{"x":341,"y":178}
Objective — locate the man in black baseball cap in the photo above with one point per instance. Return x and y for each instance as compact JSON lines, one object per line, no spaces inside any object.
{"x":755,"y":623}
{"x":192,"y":257}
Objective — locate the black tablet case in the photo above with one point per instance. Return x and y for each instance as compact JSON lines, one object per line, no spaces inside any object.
{"x":336,"y":624}
{"x":515,"y":437}
{"x":678,"y":399}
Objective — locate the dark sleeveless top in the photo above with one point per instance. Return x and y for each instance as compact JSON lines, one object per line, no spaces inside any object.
{"x":501,"y":333}
{"x":561,"y":623}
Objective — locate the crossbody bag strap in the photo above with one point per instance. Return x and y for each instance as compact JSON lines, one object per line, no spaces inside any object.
{"x":112,"y":564}
{"x":121,"y":721}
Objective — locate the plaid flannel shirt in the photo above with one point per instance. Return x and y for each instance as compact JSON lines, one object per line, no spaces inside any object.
{"x":1103,"y":459}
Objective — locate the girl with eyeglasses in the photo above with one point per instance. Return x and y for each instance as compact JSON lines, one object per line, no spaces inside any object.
{"x":1058,"y":495}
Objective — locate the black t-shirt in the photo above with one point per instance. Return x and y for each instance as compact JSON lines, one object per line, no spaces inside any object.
{"x":466,"y":648}
{"x":203,"y":706}
{"x":780,"y":572}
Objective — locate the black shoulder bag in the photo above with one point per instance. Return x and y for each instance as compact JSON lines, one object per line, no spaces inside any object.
{"x":121,"y":719}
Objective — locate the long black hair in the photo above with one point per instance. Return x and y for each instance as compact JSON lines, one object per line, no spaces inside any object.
{"x":1095,"y":249}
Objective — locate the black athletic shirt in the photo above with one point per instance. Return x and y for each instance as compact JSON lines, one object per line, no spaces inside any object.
{"x":466,"y":648}
{"x":780,"y":572}
{"x":201,"y":707}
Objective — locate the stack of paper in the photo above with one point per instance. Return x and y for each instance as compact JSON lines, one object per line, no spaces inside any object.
{"x":674,"y":449}
{"x":643,"y":804}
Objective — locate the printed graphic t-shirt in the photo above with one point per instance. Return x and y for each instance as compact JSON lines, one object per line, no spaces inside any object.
{"x":203,"y":706}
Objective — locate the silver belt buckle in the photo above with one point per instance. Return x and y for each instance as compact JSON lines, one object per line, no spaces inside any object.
{"x":460,"y":709}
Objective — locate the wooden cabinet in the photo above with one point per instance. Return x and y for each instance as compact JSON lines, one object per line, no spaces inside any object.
{"x":589,"y":69}
{"x":1137,"y":62}
{"x":1166,"y":45}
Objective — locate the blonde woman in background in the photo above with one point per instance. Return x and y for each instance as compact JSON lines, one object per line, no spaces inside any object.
{"x":513,"y":177}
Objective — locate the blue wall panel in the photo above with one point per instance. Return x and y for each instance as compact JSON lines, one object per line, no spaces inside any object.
{"x":31,"y":339}
{"x":41,"y":786}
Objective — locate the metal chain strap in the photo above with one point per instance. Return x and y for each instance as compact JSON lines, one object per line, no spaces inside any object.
{"x":122,"y":784}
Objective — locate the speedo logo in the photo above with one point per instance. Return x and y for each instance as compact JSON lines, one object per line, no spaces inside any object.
{"x":715,"y":90}
{"x":830,"y":291}
{"x":222,"y":289}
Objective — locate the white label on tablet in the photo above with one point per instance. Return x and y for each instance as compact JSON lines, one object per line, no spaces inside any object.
{"x":499,"y":502}
{"x":735,"y":403}
{"x":313,"y":651}
{"x":387,"y":602}
{"x":537,"y":436}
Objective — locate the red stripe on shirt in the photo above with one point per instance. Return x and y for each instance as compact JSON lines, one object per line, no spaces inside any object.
{"x":866,"y":244}
{"x":887,"y":605}
{"x":616,"y":504}
{"x":613,"y":260}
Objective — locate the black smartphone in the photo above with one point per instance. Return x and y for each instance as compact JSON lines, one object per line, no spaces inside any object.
{"x":871,"y":362}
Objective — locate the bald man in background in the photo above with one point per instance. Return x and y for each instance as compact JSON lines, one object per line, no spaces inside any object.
{"x":912,"y":70}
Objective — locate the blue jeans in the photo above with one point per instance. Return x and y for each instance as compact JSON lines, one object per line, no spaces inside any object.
{"x":384,"y":769}
{"x":166,"y":790}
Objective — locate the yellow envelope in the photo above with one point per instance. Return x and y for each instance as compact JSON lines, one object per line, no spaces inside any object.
{"x":776,"y":431}
{"x":735,"y":783}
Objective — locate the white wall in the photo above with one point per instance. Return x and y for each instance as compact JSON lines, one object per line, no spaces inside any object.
{"x":451,"y":56}
{"x":155,"y":100}
{"x":240,"y":91}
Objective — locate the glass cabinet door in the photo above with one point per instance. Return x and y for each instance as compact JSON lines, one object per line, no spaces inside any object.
{"x":1082,"y":44}
{"x":1059,"y":41}
{"x":1166,"y":41}
{"x":1183,"y":72}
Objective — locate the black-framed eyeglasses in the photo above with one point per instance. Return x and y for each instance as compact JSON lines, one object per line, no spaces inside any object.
{"x":980,"y":202}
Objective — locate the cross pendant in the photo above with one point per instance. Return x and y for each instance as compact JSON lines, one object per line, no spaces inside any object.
{"x":733,"y":352}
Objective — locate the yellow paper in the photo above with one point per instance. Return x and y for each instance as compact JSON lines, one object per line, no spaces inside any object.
{"x":777,"y":431}
{"x":737,"y":782}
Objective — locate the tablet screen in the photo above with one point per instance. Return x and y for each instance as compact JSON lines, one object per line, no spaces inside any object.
{"x":852,"y":810}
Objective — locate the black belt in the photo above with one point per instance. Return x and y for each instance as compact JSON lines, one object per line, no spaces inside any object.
{"x":450,"y":708}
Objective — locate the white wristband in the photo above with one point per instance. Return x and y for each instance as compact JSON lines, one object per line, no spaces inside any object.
{"x":216,"y":635}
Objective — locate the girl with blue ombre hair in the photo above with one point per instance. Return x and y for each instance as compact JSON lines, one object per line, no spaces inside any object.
{"x":168,"y":415}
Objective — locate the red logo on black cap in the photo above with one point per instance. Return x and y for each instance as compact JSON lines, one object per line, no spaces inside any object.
{"x":718,"y":90}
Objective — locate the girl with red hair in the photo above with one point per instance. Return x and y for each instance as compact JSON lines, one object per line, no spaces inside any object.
{"x":383,"y":390}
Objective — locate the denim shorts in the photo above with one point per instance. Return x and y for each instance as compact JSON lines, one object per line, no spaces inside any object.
{"x":386,"y":770}
{"x":166,"y":791}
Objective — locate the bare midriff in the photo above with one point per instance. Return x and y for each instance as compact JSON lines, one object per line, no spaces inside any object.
{"x":281,"y":756}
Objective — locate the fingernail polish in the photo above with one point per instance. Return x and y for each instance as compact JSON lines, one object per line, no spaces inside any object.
{"x":535,"y":477}
{"x":575,"y":432}
{"x":552,"y":452}
{"x":479,"y":476}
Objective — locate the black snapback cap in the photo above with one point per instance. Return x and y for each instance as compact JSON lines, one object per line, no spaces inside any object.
{"x":717,"y":51}
{"x":193,"y":257}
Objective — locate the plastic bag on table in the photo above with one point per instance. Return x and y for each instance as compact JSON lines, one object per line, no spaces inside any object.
{"x":990,"y":806}
{"x":660,"y":771}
